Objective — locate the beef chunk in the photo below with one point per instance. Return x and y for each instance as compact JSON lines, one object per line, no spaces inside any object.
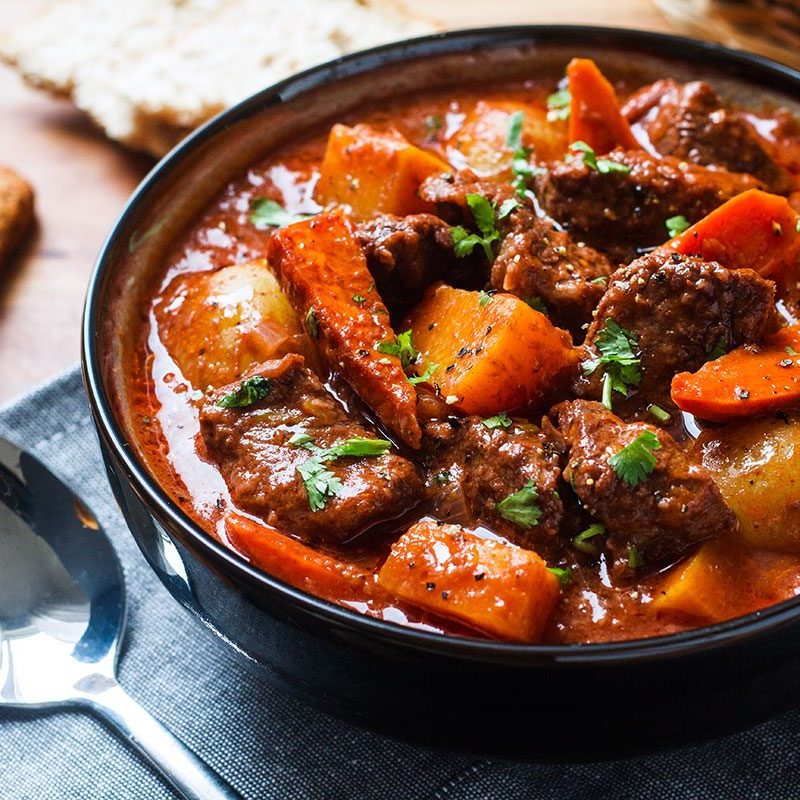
{"x":627,"y":210}
{"x":251,"y":446}
{"x":488,"y":465}
{"x":536,"y":261}
{"x":675,"y":507}
{"x":406,"y":254}
{"x":689,"y":121}
{"x":681,"y":310}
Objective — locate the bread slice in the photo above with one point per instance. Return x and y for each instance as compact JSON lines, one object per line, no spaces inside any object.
{"x":148,"y":72}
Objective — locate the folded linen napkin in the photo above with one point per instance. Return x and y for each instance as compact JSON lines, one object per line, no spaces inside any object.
{"x":270,"y":746}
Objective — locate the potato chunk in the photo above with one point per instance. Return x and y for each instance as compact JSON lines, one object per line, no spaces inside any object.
{"x":498,"y":588}
{"x":216,"y":324}
{"x":481,"y":143}
{"x":375,"y":171}
{"x":490,"y":354}
{"x":756,"y":464}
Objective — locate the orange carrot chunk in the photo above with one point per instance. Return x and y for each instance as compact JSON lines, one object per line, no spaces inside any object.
{"x":594,"y":115}
{"x":488,"y":353}
{"x":746,"y":382}
{"x":295,"y":563}
{"x":323,"y":272}
{"x":498,"y":588}
{"x":754,"y":229}
{"x":371,"y":170}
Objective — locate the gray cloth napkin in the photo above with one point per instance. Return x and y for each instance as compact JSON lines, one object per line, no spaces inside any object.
{"x":272,"y":746}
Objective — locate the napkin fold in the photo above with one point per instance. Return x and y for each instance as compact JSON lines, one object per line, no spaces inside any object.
{"x":273,"y":747}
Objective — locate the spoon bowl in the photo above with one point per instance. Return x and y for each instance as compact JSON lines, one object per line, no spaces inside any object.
{"x":62,"y":617}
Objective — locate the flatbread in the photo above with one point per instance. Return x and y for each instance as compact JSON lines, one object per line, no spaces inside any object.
{"x":149,"y":71}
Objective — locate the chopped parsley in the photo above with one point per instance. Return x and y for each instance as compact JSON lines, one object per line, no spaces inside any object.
{"x":442,"y":477}
{"x":250,"y":391}
{"x":483,"y":212}
{"x":635,"y":558}
{"x":501,"y":420}
{"x":522,"y":507}
{"x":600,"y":279}
{"x":537,"y":304}
{"x":312,"y":323}
{"x":564,"y":574}
{"x":676,"y":225}
{"x":266,"y":213}
{"x":558,"y":105}
{"x":425,"y":376}
{"x":636,"y":460}
{"x":484,"y":298}
{"x":581,"y":541}
{"x":658,"y":412}
{"x":520,"y":160}
{"x":320,"y":483}
{"x":791,"y":351}
{"x":402,"y":347}
{"x":602,"y":165}
{"x":619,"y":358}
{"x":359,"y":299}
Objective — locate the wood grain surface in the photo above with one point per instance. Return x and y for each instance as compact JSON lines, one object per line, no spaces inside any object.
{"x":82,"y":181}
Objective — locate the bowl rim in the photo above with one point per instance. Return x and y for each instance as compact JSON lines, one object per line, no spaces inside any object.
{"x":749,"y":67}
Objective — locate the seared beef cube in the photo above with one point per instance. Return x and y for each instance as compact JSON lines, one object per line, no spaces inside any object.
{"x":536,"y":261}
{"x":689,"y":121}
{"x":681,"y":311}
{"x":406,"y":254}
{"x":658,"y":519}
{"x":614,"y":209}
{"x":251,"y":445}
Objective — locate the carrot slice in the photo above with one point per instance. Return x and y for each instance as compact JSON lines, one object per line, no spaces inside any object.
{"x":746,"y":382}
{"x":594,"y":115}
{"x":495,"y":587}
{"x":324,"y":273}
{"x":489,"y":353}
{"x":295,"y":563}
{"x":755,"y":229}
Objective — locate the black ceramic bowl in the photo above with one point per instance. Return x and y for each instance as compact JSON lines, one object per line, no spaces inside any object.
{"x":532,"y":702}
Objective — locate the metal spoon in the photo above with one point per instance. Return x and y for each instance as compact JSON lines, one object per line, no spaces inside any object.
{"x":62,"y":614}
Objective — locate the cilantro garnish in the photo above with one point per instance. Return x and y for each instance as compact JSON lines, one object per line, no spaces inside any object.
{"x":564,"y":574}
{"x":426,"y":376}
{"x":619,"y":357}
{"x":520,"y":160}
{"x":791,"y":351}
{"x":320,"y":482}
{"x":359,"y":299}
{"x":250,"y":391}
{"x":501,"y":420}
{"x":603,"y":165}
{"x":442,"y":477}
{"x":635,"y":558}
{"x":483,"y":212}
{"x":266,"y":213}
{"x":402,"y":347}
{"x":484,"y":298}
{"x":676,"y":225}
{"x":558,"y":105}
{"x":522,"y":507}
{"x":658,"y":412}
{"x":581,"y":541}
{"x":312,"y":323}
{"x":636,"y":460}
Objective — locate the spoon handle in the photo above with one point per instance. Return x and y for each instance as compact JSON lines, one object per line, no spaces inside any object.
{"x":194,"y":779}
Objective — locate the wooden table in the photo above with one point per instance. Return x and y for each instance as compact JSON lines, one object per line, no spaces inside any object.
{"x":82,"y":181}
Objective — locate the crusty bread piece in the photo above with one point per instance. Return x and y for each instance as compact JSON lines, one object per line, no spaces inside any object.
{"x":149,"y":71}
{"x":16,"y":211}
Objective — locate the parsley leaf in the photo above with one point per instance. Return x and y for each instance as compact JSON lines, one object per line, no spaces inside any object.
{"x":320,"y":482}
{"x":558,"y":105}
{"x":658,"y":412}
{"x":636,"y":460}
{"x":359,"y":299}
{"x":501,"y":420}
{"x":266,"y":213}
{"x":426,"y":376}
{"x":676,"y":225}
{"x":520,"y":160}
{"x":581,"y":541}
{"x":402,"y":347}
{"x":635,"y":558}
{"x":564,"y":574}
{"x":619,"y":357}
{"x":522,"y":507}
{"x":312,"y":323}
{"x":791,"y":351}
{"x":506,"y":207}
{"x":250,"y":391}
{"x":602,"y":165}
{"x":484,"y":298}
{"x":442,"y":477}
{"x":465,"y":242}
